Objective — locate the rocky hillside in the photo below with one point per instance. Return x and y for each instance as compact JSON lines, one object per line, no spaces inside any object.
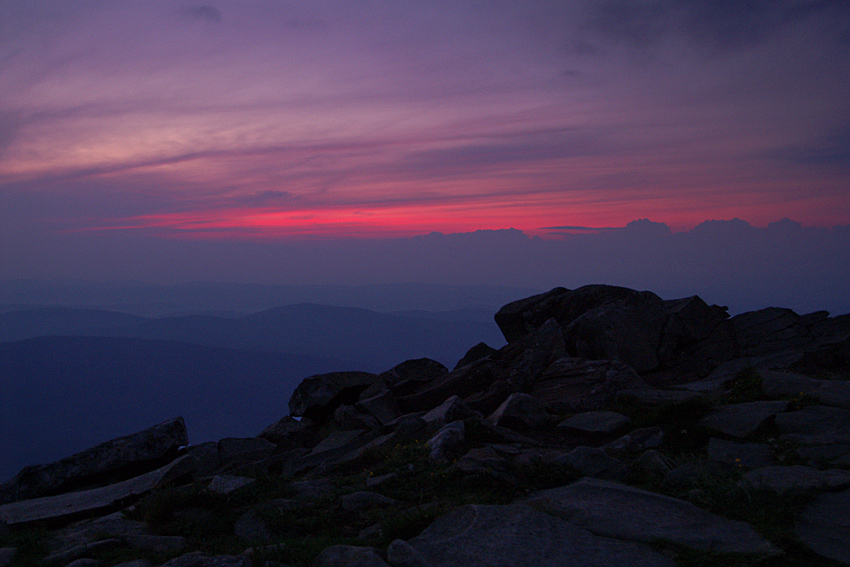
{"x":614,"y":428}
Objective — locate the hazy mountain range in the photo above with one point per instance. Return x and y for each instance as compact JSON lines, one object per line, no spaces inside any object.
{"x":72,"y":377}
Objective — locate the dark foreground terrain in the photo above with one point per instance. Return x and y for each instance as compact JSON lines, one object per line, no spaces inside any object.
{"x":614,"y":428}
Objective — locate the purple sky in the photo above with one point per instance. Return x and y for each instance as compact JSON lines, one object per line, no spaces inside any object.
{"x":134,"y":134}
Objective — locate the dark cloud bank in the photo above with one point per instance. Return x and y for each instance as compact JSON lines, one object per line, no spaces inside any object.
{"x":725,"y":262}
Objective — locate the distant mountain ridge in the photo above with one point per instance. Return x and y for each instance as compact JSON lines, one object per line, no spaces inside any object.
{"x":373,"y":340}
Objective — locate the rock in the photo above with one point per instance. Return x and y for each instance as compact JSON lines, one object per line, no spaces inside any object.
{"x":742,"y":420}
{"x":484,"y":461}
{"x":227,"y":484}
{"x":318,"y":396}
{"x":636,"y":442}
{"x":380,"y":479}
{"x":107,"y":463}
{"x":796,"y":477}
{"x":200,"y":559}
{"x":696,"y":337}
{"x":521,"y":317}
{"x":604,"y":422}
{"x":313,"y":489}
{"x":251,"y":528}
{"x":244,"y":450}
{"x":697,"y":473}
{"x":653,"y":463}
{"x":453,"y":409}
{"x":349,"y":417}
{"x":593,"y":462}
{"x":156,"y":543}
{"x":521,"y":412}
{"x":622,"y":512}
{"x":479,"y":536}
{"x":815,"y":425}
{"x":646,"y":399}
{"x":383,"y":406}
{"x":80,"y":551}
{"x":136,"y":563}
{"x":824,"y":526}
{"x":463,"y":382}
{"x":571,"y":385}
{"x":416,"y":371}
{"x":744,"y":456}
{"x":479,"y":351}
{"x":85,"y":562}
{"x":835,"y":393}
{"x":349,"y":556}
{"x":289,"y":433}
{"x":7,"y":555}
{"x":94,"y":501}
{"x":767,"y":330}
{"x":205,"y":458}
{"x":365,"y":500}
{"x":786,"y":384}
{"x":408,"y":426}
{"x":447,"y":440}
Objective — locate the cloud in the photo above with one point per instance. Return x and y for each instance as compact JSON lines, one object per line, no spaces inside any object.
{"x":201,"y":13}
{"x":830,"y":150}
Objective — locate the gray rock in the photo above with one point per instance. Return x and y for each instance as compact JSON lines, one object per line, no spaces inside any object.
{"x":742,"y":420}
{"x":365,"y":501}
{"x":200,"y":559}
{"x":697,"y":473}
{"x":453,"y":409}
{"x":653,"y":463}
{"x":7,"y":555}
{"x":484,"y":461}
{"x":313,"y":489}
{"x":242,"y":450}
{"x":95,"y":501}
{"x":205,"y":458}
{"x":815,"y":425}
{"x":67,"y":555}
{"x":227,"y":484}
{"x":338,"y":441}
{"x":419,"y":370}
{"x":596,"y":422}
{"x":447,"y":440}
{"x":156,"y":543}
{"x":796,"y":477}
{"x":251,"y":528}
{"x":522,"y":412}
{"x":645,"y":398}
{"x":636,"y":442}
{"x":289,"y":432}
{"x":571,"y":385}
{"x":778,"y":384}
{"x":349,"y":556}
{"x":318,"y":396}
{"x":378,"y":480}
{"x":382,"y":406}
{"x":835,"y":393}
{"x":593,"y":462}
{"x":824,"y":526}
{"x":85,"y":562}
{"x":136,"y":563}
{"x":107,"y":463}
{"x":744,"y":456}
{"x":619,"y":511}
{"x":350,"y":417}
{"x":497,"y":536}
{"x":479,"y":351}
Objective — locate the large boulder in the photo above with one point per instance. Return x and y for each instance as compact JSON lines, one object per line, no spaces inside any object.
{"x":479,"y":536}
{"x":109,"y":462}
{"x":318,"y":396}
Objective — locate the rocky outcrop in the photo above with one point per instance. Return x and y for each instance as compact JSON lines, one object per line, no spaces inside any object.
{"x":614,"y":428}
{"x":112,"y":461}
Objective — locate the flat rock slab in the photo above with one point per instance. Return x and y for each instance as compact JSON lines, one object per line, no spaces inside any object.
{"x":619,"y":511}
{"x":227,"y":483}
{"x":834,"y":393}
{"x":349,"y":556}
{"x":649,"y":398}
{"x":783,"y":479}
{"x":94,"y":501}
{"x":596,"y":422}
{"x":497,"y":536}
{"x":742,"y":420}
{"x":118,"y":459}
{"x":815,"y":425}
{"x":825,"y":526}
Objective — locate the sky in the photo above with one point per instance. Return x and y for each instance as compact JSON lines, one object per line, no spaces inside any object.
{"x":167,"y":140}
